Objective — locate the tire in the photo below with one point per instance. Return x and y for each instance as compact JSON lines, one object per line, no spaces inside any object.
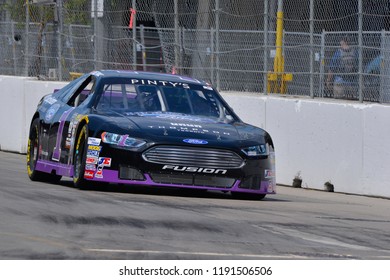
{"x":79,"y":158}
{"x":32,"y":157}
{"x":247,"y":196}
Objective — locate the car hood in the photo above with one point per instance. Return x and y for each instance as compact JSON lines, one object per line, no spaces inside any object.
{"x":182,"y":126}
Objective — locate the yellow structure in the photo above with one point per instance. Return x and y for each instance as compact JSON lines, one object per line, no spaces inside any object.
{"x":277,"y":80}
{"x":75,"y":75}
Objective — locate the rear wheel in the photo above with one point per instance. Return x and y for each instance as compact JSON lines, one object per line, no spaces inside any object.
{"x":79,"y":159}
{"x":32,"y":157}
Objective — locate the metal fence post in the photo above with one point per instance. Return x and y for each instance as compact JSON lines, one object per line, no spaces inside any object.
{"x":95,"y":40}
{"x":360,"y":51}
{"x":265,"y":52}
{"x":26,"y":45}
{"x":212,"y":55}
{"x":177,"y":38}
{"x":311,"y":48}
{"x":217,"y":30}
{"x":59,"y":39}
{"x":142,"y":35}
{"x":322,"y":65}
{"x":13,"y":46}
{"x":134,"y":35}
{"x":383,"y":78}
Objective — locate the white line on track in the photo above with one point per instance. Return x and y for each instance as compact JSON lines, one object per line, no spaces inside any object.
{"x":313,"y":238}
{"x":210,"y":254}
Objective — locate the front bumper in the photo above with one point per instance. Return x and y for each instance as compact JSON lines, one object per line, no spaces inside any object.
{"x":181,"y":167}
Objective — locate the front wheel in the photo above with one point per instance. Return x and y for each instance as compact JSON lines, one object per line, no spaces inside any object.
{"x":32,"y":156}
{"x":79,"y":159}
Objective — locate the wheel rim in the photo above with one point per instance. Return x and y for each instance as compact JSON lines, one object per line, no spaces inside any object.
{"x":33,"y":152}
{"x":78,"y":164}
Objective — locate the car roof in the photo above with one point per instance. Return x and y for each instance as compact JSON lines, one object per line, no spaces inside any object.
{"x":146,"y":76}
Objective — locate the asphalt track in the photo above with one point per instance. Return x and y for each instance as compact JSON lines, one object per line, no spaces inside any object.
{"x":56,"y":221}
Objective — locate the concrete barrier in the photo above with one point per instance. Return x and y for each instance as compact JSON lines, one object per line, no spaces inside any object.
{"x":19,"y":98}
{"x":344,"y":143}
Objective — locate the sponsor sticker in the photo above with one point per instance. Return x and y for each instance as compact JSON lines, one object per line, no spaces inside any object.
{"x":269,"y":173}
{"x":88,"y":174}
{"x":50,"y":100}
{"x":94,"y":141}
{"x":51,"y":112}
{"x":195,"y":141}
{"x":90,"y":167}
{"x":104,"y":161}
{"x":99,"y":172}
{"x":92,"y":153}
{"x":91,"y":160}
{"x":94,"y":148}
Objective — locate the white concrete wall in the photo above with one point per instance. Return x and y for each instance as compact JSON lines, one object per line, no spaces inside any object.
{"x":19,"y":97}
{"x":345,"y":143}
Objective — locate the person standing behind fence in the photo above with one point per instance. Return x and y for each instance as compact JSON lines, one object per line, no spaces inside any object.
{"x":342,"y":71}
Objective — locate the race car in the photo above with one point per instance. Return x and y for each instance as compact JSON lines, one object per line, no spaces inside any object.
{"x":148,"y":129}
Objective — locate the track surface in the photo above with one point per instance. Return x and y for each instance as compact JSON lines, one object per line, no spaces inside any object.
{"x":57,"y":221}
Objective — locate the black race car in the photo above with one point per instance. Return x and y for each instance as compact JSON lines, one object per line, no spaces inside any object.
{"x":154,"y":129}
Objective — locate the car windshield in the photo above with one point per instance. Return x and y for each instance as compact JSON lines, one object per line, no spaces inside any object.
{"x":130,"y":98}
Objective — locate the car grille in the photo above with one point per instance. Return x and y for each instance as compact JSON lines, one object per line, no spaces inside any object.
{"x":192,"y":180}
{"x":190,"y":156}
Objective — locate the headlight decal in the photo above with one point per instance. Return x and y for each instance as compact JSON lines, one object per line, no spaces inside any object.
{"x":123,"y":141}
{"x":258,"y":150}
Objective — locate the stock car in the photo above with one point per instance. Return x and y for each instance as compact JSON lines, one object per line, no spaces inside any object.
{"x":148,"y":129}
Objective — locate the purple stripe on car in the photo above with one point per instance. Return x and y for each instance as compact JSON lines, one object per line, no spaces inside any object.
{"x":59,"y":168}
{"x":111,"y":176}
{"x":57,"y":148}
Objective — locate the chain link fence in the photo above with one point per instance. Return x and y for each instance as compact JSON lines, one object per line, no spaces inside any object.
{"x":230,"y":43}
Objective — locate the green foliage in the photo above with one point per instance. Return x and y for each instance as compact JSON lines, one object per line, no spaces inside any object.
{"x":74,"y":11}
{"x":17,"y":10}
{"x":77,"y":12}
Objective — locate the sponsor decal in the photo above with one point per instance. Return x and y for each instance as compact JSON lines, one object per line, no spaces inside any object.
{"x":189,"y":128}
{"x":50,"y":100}
{"x":104,"y":161}
{"x":269,"y":173}
{"x":91,"y":153}
{"x":97,"y":73}
{"x":94,"y":141}
{"x":91,"y":160}
{"x":88,"y":174}
{"x":195,"y":141}
{"x":90,"y":167}
{"x":51,"y":112}
{"x":94,"y":148}
{"x":194,"y":169}
{"x":99,"y":172}
{"x":159,"y":83}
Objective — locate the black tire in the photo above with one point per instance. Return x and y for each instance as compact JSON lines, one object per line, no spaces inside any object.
{"x":79,"y":158}
{"x":247,"y":196}
{"x":32,"y":157}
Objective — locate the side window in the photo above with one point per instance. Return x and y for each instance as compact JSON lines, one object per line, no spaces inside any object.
{"x":81,"y":93}
{"x":68,"y":91}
